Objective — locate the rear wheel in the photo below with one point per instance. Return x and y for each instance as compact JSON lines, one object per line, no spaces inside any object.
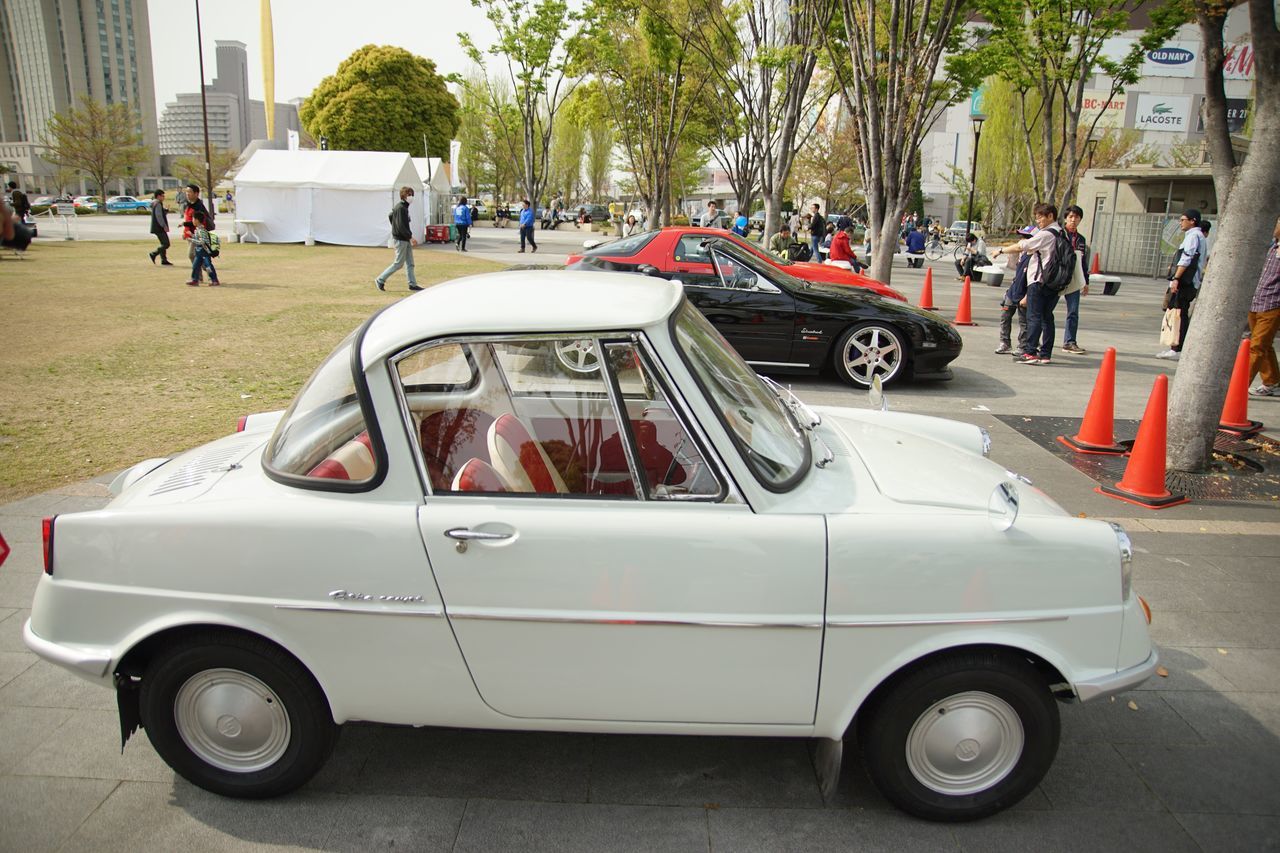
{"x":962,"y":737}
{"x":236,"y":716}
{"x":870,"y":350}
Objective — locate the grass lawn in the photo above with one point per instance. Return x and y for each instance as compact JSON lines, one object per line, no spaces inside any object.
{"x":108,"y":360}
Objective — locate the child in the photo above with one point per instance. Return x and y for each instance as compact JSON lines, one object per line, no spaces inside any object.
{"x":203,"y":251}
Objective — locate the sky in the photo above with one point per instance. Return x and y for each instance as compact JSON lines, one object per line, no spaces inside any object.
{"x":311,"y":38}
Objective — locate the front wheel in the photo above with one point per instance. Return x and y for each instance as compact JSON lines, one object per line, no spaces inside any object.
{"x":934,"y":250}
{"x":870,"y":350}
{"x":962,"y":737}
{"x":236,"y":716}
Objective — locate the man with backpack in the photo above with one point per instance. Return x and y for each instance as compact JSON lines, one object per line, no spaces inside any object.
{"x":1049,"y":273}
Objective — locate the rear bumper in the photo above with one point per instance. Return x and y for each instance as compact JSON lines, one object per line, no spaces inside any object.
{"x":88,"y":662}
{"x":1119,"y":682}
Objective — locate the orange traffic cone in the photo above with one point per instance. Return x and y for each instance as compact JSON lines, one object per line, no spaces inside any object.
{"x":1235,"y":411}
{"x":926,"y":294}
{"x":1096,"y":266}
{"x":964,"y":316}
{"x":1095,"y":435}
{"x":1143,"y":480}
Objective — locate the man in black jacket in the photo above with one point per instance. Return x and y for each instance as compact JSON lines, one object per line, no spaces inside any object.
{"x":405,"y":242}
{"x":160,"y":228}
{"x":817,"y":230}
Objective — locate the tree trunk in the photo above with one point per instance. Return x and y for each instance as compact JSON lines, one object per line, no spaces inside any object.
{"x":1244,"y":231}
{"x":1222,"y":157}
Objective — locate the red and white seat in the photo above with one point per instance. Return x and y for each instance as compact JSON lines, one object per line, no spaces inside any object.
{"x":519,"y":458}
{"x":476,"y":475}
{"x":351,"y":461}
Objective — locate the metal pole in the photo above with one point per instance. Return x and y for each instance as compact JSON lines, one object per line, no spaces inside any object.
{"x":204,"y":111}
{"x":973,"y":182}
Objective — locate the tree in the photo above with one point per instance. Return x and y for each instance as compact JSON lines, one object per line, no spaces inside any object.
{"x":825,"y":167}
{"x":104,"y":141}
{"x":1244,"y":229}
{"x":886,"y":55}
{"x":587,"y":108}
{"x":1211,"y":18}
{"x":189,"y":168}
{"x":383,"y":98}
{"x":477,"y":167}
{"x":1052,"y":48}
{"x":532,"y":49}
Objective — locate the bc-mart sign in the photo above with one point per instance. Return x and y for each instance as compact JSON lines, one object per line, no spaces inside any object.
{"x":1168,"y":113}
{"x":1096,"y":101}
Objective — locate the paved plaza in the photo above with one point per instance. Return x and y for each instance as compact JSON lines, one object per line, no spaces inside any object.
{"x":1189,"y":761}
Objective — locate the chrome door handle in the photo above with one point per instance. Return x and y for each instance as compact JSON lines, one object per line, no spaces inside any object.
{"x":464,"y":535}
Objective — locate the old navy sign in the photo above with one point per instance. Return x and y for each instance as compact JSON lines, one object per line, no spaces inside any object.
{"x":1171,"y":56}
{"x":1174,"y":59}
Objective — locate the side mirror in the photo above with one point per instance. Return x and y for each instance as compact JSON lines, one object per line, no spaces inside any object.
{"x":648,"y":269}
{"x":1002,"y":507}
{"x":875,"y":395}
{"x":591,"y":244}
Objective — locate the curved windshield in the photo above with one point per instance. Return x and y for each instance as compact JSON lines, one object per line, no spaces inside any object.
{"x":322,"y":435}
{"x":764,"y":431}
{"x":624,"y":248}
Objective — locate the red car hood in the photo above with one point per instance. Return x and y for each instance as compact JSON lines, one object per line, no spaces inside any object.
{"x":829,"y":274}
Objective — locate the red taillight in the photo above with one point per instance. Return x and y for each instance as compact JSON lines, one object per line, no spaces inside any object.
{"x":47,"y":530}
{"x":4,"y":550}
{"x":244,"y":419}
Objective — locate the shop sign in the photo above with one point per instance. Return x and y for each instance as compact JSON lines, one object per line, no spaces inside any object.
{"x":1237,"y":114}
{"x":1238,"y":64}
{"x":1167,"y":113}
{"x":1096,"y":101}
{"x":1173,"y":59}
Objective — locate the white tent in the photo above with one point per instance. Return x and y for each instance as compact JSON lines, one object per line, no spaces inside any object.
{"x":434,"y":174}
{"x":340,"y":197}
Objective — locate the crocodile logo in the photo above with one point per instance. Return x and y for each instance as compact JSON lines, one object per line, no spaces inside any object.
{"x":1161,"y":109}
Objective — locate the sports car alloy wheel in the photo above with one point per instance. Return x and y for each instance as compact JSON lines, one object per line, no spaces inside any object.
{"x":236,"y":715}
{"x":578,"y":356}
{"x":868,"y":351}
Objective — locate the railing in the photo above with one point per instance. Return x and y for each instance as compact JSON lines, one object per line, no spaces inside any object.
{"x":1135,"y":243}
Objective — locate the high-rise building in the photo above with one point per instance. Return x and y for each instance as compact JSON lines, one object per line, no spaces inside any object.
{"x":53,"y":52}
{"x":234,"y":119}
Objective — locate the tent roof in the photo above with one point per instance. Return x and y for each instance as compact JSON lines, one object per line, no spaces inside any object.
{"x":432,"y":171}
{"x":347,"y":170}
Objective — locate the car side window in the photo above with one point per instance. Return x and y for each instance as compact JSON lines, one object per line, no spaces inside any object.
{"x":734,"y":274}
{"x":689,"y":250}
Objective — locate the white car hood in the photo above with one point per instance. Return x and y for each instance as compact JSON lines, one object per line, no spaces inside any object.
{"x":908,"y":467}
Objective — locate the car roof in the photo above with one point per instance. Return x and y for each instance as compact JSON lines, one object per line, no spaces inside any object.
{"x":520,"y":301}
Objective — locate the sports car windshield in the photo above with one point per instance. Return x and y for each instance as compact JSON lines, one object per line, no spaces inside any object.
{"x":766,"y":434}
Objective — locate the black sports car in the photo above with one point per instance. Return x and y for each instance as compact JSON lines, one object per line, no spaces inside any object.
{"x":782,"y":324}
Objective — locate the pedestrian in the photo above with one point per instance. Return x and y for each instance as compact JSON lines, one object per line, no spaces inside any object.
{"x":795,"y":223}
{"x":230,"y":202}
{"x":546,"y":216}
{"x":817,"y":228}
{"x":780,"y":243}
{"x":1184,"y":278}
{"x":1264,"y":319}
{"x":824,"y":246}
{"x":915,"y":246}
{"x":194,"y":205}
{"x":462,"y":220}
{"x":203,"y":248}
{"x":526,"y":225}
{"x":841,"y":253}
{"x":1015,"y":299}
{"x":711,"y":216}
{"x":630,"y":226}
{"x":741,"y":224}
{"x":403,"y":236}
{"x":160,"y":228}
{"x":1079,"y":283}
{"x":19,"y":202}
{"x":975,"y":254}
{"x":1042,"y":297}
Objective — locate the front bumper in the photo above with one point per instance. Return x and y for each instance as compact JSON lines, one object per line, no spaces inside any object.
{"x":87,"y":662}
{"x":1119,"y":682}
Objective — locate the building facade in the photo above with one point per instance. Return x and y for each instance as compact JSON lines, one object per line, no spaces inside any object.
{"x":53,"y":53}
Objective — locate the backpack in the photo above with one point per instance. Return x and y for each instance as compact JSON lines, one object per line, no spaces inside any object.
{"x":1056,"y":275}
{"x":215,"y":245}
{"x":799,"y":252}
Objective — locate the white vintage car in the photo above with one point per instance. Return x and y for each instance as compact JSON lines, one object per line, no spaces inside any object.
{"x":447,"y":528}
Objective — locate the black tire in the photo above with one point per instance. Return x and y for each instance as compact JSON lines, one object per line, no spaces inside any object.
{"x":988,"y":694}
{"x":213,"y":672}
{"x":868,"y":350}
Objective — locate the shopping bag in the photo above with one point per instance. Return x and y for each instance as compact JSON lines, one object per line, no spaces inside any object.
{"x":1170,"y":326}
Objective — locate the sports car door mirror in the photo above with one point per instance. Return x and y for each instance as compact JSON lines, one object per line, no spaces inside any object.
{"x":1002,"y":508}
{"x":591,"y":244}
{"x":875,"y":395}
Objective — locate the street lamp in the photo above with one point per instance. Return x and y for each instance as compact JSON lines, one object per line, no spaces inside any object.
{"x":977,"y":119}
{"x":204,"y":110}
{"x":1091,"y":146}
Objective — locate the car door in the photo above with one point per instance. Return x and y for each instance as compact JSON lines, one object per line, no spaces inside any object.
{"x":659,"y":603}
{"x":756,"y":316}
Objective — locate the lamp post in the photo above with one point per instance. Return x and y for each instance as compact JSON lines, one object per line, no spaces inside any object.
{"x":977,"y":119}
{"x":204,"y":111}
{"x":1091,"y":146}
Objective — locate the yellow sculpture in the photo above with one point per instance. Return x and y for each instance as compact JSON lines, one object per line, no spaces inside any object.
{"x":268,"y":69}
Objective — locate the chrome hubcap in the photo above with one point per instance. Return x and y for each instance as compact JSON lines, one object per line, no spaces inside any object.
{"x":965,"y":743}
{"x":231,"y":720}
{"x":579,"y":356}
{"x":872,"y":352}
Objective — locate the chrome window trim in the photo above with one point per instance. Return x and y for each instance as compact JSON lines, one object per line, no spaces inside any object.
{"x":899,"y":623}
{"x":626,"y":435}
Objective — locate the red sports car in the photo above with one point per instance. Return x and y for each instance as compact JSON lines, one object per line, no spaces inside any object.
{"x":679,"y":250}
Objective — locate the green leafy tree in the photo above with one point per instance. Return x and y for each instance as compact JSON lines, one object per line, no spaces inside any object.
{"x":1051,"y":49}
{"x":189,"y":168}
{"x":102,"y":141}
{"x":532,"y":52}
{"x":825,"y":166}
{"x":477,"y":167}
{"x":587,"y":108}
{"x":383,"y":98}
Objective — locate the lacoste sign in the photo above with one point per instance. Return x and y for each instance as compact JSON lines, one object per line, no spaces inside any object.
{"x":1169,"y":113}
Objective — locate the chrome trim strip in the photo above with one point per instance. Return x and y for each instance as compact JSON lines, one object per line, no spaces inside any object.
{"x":434,"y":612}
{"x":778,"y":363}
{"x":1110,"y":685}
{"x":624,"y":620}
{"x":899,"y":623}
